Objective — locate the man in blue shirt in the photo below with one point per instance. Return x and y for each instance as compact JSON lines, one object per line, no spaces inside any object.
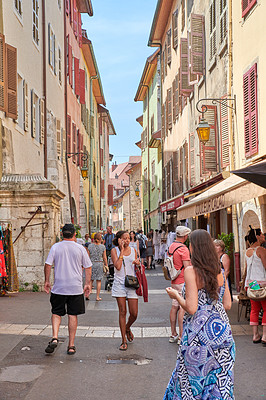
{"x":108,"y":240}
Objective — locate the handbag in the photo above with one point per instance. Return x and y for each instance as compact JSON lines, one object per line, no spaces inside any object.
{"x":130,"y":280}
{"x":255,"y":294}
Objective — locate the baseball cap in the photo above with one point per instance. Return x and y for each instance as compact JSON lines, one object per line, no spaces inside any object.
{"x":182,"y":230}
{"x":68,"y":228}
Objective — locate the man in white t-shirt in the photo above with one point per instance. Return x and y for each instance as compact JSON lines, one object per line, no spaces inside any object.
{"x":68,"y":258}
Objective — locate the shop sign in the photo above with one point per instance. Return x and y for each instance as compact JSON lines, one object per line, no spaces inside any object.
{"x":172,"y":205}
{"x":210,"y":205}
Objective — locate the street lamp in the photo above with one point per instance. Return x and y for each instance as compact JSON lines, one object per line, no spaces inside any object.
{"x":84,"y":158}
{"x":137,"y":190}
{"x":203,"y":129}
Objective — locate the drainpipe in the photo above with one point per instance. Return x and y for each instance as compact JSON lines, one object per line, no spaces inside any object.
{"x":148,"y":134}
{"x":90,"y":197}
{"x":44,"y":88}
{"x":231,"y":124}
{"x":65,"y":94}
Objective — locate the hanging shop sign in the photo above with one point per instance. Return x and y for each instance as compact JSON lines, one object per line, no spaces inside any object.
{"x":173,"y":204}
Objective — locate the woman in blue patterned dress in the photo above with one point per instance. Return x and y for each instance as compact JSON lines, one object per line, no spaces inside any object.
{"x":206,"y":356}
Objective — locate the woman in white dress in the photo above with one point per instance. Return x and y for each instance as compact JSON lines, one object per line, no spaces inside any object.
{"x":134,"y":242}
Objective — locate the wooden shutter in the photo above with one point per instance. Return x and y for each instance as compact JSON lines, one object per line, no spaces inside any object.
{"x":186,"y":163}
{"x":180,"y":176}
{"x":165,"y":59}
{"x":68,"y":144}
{"x":175,"y":28}
{"x":78,"y":156}
{"x":185,"y":88}
{"x":209,"y":162}
{"x":50,"y":45}
{"x":63,"y":145}
{"x":168,"y":181}
{"x":82,"y":86}
{"x":33,"y":114}
{"x":223,"y":20}
{"x":26,"y":106}
{"x":163,"y":123}
{"x":75,"y":18}
{"x":173,"y":100}
{"x":2,"y":73}
{"x":246,"y":6}
{"x":192,"y":158}
{"x":179,"y":92}
{"x":250,"y":111}
{"x":69,"y":72}
{"x":42,"y":120}
{"x":224,"y":132}
{"x":58,"y":138}
{"x":74,"y":141}
{"x":11,"y":62}
{"x":169,"y":53}
{"x":175,"y":173}
{"x":169,"y":109}
{"x":197,"y":44}
{"x":213,"y":40}
{"x":193,"y":78}
{"x":163,"y":183}
{"x":80,"y":30}
{"x":176,"y":96}
{"x":183,"y":14}
{"x":76,"y":72}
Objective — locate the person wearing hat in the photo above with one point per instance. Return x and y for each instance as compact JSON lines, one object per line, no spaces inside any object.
{"x":181,"y":259}
{"x":68,"y":258}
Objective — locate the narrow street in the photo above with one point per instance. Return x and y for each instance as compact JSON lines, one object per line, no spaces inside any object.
{"x":99,"y":370}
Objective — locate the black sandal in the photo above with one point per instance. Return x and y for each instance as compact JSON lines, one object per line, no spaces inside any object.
{"x":123,"y":346}
{"x":52,"y":345}
{"x":130,"y":336}
{"x":73,"y":348}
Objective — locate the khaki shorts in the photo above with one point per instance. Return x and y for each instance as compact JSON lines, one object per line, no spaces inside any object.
{"x":179,"y":288}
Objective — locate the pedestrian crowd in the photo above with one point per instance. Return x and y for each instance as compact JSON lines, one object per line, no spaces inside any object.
{"x":200,"y":292}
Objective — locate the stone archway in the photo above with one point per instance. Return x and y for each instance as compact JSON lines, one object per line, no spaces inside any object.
{"x":250,"y":218}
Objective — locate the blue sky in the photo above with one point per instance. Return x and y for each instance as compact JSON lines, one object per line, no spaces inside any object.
{"x":119,"y":31}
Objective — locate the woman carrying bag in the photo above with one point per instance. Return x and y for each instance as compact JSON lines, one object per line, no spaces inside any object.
{"x":256,"y":270}
{"x":125,"y":260}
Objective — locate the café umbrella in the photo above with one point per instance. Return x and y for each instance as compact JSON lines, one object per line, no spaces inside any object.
{"x":255,"y":173}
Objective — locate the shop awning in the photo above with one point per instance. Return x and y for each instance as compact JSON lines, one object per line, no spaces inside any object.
{"x":230,"y":191}
{"x":155,"y":140}
{"x":172,"y":204}
{"x":255,"y":173}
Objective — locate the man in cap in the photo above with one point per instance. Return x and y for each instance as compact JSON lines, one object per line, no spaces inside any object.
{"x":181,"y":259}
{"x":67,"y":296}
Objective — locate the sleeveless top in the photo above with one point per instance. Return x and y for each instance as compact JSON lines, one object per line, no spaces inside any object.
{"x":127,"y":265}
{"x":255,"y":269}
{"x":134,"y":245}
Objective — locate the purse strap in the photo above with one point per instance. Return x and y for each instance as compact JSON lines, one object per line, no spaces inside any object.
{"x":249,"y":270}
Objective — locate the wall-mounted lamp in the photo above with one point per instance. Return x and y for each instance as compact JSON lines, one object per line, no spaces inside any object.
{"x":84,"y":158}
{"x":137,"y":190}
{"x":203,"y":129}
{"x":229,"y":210}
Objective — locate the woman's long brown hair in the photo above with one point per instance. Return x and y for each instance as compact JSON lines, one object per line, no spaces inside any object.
{"x":205,"y":261}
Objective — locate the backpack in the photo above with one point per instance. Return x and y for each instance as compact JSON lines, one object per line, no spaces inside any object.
{"x":169,"y":268}
{"x":142,"y":244}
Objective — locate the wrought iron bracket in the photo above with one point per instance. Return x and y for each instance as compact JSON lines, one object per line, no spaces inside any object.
{"x":224,"y":101}
{"x":84,"y":156}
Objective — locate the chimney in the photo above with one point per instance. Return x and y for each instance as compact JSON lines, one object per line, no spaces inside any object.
{"x":114,"y":165}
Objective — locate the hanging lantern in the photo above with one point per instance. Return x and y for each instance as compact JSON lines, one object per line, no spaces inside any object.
{"x":84,"y":172}
{"x":203,"y":131}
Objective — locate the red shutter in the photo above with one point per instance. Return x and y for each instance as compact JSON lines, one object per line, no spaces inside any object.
{"x":74,"y":141}
{"x":224,"y":131}
{"x":250,"y":111}
{"x":69,"y":72}
{"x":2,"y":73}
{"x":197,"y":44}
{"x":209,"y":150}
{"x":186,"y":89}
{"x":80,"y":149}
{"x":82,"y":86}
{"x":11,"y":75}
{"x":80,"y":29}
{"x":76,"y":73}
{"x":102,"y":189}
{"x":67,"y":7}
{"x":192,"y":158}
{"x":246,"y":6}
{"x":68,"y":134}
{"x":75,"y":18}
{"x":110,"y":195}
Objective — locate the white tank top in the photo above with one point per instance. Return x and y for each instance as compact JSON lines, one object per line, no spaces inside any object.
{"x":119,"y":275}
{"x":255,"y":269}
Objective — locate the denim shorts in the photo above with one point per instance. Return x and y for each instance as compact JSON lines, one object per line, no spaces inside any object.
{"x":119,"y":290}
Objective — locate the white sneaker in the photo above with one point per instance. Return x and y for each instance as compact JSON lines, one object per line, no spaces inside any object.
{"x":173,"y":339}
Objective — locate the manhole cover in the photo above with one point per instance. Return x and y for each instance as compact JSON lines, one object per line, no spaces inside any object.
{"x":135,"y":360}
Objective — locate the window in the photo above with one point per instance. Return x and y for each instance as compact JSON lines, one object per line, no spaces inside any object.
{"x":152,"y":124}
{"x":35,"y":116}
{"x":223,"y":20}
{"x":192,"y":159}
{"x":171,"y":178}
{"x":18,"y":6}
{"x":169,"y":54}
{"x":20,"y":117}
{"x":35,"y":21}
{"x":153,"y":176}
{"x":208,"y":156}
{"x":58,"y":138}
{"x":175,"y":28}
{"x":213,"y":43}
{"x":145,"y":181}
{"x":183,"y":14}
{"x":169,"y":109}
{"x":52,"y":48}
{"x":59,"y":65}
{"x":247,"y":5}
{"x":250,"y":111}
{"x":224,"y":134}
